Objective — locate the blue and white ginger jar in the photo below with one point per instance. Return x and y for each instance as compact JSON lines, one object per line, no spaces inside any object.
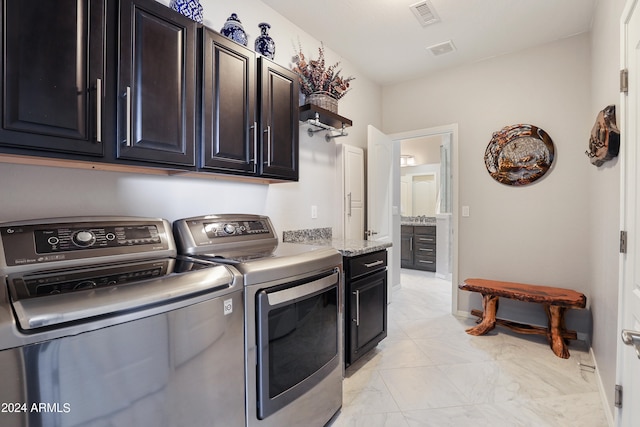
{"x":264,"y":43}
{"x":189,"y":8}
{"x":233,"y":29}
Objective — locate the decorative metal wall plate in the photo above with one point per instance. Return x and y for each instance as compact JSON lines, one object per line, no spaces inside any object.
{"x":519,"y":154}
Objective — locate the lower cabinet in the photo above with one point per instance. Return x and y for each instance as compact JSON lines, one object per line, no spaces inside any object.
{"x":418,"y":247}
{"x":365,"y":303}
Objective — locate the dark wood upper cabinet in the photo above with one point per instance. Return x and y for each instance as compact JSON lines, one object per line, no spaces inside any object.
{"x":228,"y":116}
{"x":53,"y":83}
{"x":156,"y":84}
{"x":279,"y":125}
{"x":135,"y":83}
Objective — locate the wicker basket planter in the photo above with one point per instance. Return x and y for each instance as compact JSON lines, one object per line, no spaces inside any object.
{"x":323,"y":100}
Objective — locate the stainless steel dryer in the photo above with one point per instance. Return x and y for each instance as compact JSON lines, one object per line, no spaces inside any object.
{"x":294,"y":316}
{"x":101,"y":324}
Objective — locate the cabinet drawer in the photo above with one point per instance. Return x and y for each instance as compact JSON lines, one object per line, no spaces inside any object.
{"x":426,"y":263}
{"x":424,"y":239}
{"x":425,"y":251}
{"x":425,"y":230}
{"x":363,"y":264}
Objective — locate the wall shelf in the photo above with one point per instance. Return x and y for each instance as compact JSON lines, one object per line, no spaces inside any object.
{"x":323,"y":120}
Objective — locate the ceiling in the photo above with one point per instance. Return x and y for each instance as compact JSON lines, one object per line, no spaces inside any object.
{"x":385,"y":41}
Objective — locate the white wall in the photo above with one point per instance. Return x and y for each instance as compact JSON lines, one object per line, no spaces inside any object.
{"x":35,"y":192}
{"x":537,"y":233}
{"x":604,"y":201}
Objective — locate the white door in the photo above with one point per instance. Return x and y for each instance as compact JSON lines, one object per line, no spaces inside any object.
{"x":379,"y":199}
{"x":379,"y":168}
{"x":353,"y":158}
{"x":628,"y":370}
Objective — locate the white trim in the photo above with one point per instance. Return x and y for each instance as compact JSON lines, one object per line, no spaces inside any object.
{"x":603,"y":393}
{"x":629,"y":7}
{"x":438,"y":130}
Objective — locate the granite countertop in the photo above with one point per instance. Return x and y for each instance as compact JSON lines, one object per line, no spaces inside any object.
{"x":351,"y":248}
{"x":323,"y":237}
{"x":418,"y":220}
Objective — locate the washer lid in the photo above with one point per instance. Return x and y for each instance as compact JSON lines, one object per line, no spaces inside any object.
{"x":44,"y":299}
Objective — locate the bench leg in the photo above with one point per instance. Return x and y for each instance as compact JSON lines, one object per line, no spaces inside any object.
{"x":556,"y":330}
{"x":489,"y":308}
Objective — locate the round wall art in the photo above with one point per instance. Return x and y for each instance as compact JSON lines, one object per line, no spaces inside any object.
{"x":519,"y":154}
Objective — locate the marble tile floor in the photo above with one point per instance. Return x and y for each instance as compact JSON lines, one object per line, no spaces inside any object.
{"x":429,"y":372}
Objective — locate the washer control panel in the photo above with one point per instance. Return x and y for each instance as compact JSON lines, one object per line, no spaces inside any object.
{"x":72,"y":238}
{"x":30,"y":242}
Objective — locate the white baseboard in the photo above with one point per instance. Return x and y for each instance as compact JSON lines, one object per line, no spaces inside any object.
{"x":603,"y":392}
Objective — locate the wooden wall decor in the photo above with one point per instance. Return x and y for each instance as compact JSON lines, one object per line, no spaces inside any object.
{"x":604,"y":142}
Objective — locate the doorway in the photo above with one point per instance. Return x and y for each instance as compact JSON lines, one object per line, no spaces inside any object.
{"x":447,"y":189}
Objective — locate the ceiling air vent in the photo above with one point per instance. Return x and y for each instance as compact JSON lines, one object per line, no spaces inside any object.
{"x":425,"y":13}
{"x":441,"y":48}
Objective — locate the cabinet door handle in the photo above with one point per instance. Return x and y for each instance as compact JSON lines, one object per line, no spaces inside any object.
{"x":426,"y":250}
{"x":425,"y":262}
{"x":411,"y":243}
{"x":422,"y":239}
{"x":349,"y":204}
{"x":268,"y":131}
{"x":373,"y":264}
{"x":128,"y":128}
{"x":99,"y":110}
{"x":255,"y":146}
{"x":357,"y":319}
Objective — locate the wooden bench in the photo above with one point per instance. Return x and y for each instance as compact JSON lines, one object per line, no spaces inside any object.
{"x":555,"y":300}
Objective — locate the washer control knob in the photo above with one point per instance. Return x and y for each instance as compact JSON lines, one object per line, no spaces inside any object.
{"x":229,"y":228}
{"x":84,"y":238}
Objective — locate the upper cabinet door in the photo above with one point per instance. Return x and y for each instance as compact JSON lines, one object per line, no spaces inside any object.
{"x":279,"y":93}
{"x":53,"y":75}
{"x":228,"y":138}
{"x":156,"y":84}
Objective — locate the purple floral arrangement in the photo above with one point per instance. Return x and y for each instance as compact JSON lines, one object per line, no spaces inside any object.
{"x":315,"y":77}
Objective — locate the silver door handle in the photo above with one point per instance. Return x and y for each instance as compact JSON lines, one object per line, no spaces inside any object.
{"x":357,"y":319}
{"x":255,"y":147}
{"x":349,"y":204}
{"x":268,"y":132}
{"x":631,"y":338}
{"x":98,"y":110}
{"x":128,"y":119}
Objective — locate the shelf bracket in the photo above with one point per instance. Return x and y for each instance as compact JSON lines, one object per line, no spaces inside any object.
{"x":321,"y":127}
